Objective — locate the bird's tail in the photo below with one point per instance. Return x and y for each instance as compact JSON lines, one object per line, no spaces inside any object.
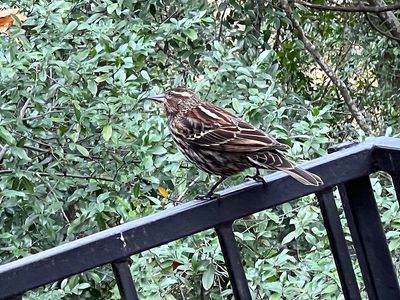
{"x":275,"y":161}
{"x":303,"y":176}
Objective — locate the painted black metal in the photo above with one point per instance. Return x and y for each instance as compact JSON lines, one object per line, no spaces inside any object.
{"x":338,"y":245}
{"x":356,"y":241}
{"x":396,"y":184}
{"x":124,"y":280}
{"x":345,"y":166}
{"x":233,"y":261}
{"x":378,"y":267}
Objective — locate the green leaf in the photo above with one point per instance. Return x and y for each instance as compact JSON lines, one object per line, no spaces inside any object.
{"x":145,"y":75}
{"x":275,"y":296}
{"x":330,"y":289}
{"x":107,"y":132}
{"x":6,"y":136}
{"x":111,"y":7}
{"x":244,"y":71}
{"x":158,"y":150}
{"x":83,"y":286}
{"x":274,"y":286}
{"x":191,"y":34}
{"x":208,"y":277}
{"x":26,"y":184}
{"x":263,"y":55}
{"x":77,"y":110}
{"x":21,"y":153}
{"x":394,"y":244}
{"x":71,"y":26}
{"x":288,"y":238}
{"x":82,"y":150}
{"x":136,"y":189}
{"x":102,"y":197}
{"x":12,"y":193}
{"x":92,"y":86}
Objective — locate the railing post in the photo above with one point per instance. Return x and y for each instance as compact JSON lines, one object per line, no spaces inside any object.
{"x":124,"y":280}
{"x":396,"y":184}
{"x":338,"y":245}
{"x":233,"y":261}
{"x":369,"y":239}
{"x":19,"y":297}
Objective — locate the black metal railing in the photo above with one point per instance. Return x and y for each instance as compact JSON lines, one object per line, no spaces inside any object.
{"x":348,"y":167}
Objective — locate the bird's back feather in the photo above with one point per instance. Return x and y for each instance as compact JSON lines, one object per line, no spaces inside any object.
{"x":208,"y":126}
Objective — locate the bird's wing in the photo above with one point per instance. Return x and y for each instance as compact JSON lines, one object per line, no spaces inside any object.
{"x":208,"y":126}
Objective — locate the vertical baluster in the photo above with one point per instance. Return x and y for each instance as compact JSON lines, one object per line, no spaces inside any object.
{"x":338,"y":245}
{"x":124,"y":280}
{"x":369,"y":239}
{"x":233,"y":262}
{"x":396,"y":184}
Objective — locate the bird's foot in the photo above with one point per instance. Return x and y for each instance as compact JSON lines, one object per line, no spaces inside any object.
{"x":207,"y":197}
{"x":257,"y":178}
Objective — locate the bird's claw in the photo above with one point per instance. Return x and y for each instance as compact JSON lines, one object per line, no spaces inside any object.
{"x":257,"y":178}
{"x":207,"y":197}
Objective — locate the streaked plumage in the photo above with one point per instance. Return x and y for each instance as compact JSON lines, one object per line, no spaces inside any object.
{"x":222,"y":144}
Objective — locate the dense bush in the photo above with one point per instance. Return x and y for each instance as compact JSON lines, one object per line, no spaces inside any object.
{"x":84,"y":153}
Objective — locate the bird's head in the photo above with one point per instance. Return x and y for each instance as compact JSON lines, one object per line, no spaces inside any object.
{"x":177,"y":100}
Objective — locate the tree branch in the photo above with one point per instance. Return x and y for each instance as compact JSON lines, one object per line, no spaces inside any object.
{"x":340,"y":85}
{"x":380,"y":30}
{"x":360,"y":8}
{"x":388,"y":18}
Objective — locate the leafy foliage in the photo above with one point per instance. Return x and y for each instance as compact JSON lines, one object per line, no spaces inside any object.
{"x":84,"y":153}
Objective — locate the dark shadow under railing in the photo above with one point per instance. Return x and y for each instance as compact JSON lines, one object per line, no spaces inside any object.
{"x":348,"y":168}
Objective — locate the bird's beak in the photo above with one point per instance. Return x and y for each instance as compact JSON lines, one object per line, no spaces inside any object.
{"x":158,"y":98}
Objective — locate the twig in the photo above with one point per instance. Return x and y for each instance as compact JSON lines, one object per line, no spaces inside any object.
{"x":341,"y":59}
{"x":121,"y":166}
{"x":24,"y":108}
{"x":51,"y":189}
{"x":42,"y":115}
{"x":10,"y":171}
{"x":277,"y":38}
{"x":186,"y":189}
{"x":221,"y":23}
{"x":36,"y":149}
{"x":169,"y":17}
{"x":3,"y":152}
{"x":340,"y":85}
{"x":360,"y":8}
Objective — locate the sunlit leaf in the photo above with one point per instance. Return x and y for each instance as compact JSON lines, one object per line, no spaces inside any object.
{"x":208,"y":277}
{"x":7,"y":18}
{"x":163,"y":192}
{"x":107,"y":132}
{"x":191,"y":34}
{"x":82,"y":150}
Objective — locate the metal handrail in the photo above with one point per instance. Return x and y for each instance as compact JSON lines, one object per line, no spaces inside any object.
{"x":347,"y":168}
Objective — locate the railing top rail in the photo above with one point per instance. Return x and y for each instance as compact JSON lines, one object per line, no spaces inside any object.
{"x":186,"y":219}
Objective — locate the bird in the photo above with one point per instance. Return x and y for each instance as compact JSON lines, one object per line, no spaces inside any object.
{"x":222,"y":144}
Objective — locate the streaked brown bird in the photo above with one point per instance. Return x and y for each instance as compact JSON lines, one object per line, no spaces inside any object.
{"x":222,"y":144}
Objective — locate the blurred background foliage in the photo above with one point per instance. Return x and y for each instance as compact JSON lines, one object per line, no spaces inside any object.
{"x":82,"y":153}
